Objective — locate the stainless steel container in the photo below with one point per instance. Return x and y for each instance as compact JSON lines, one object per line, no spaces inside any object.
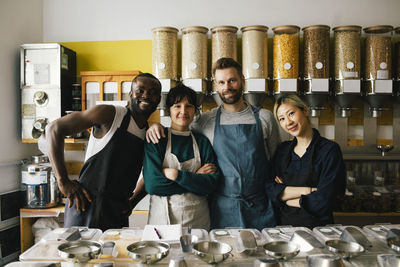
{"x":41,"y":184}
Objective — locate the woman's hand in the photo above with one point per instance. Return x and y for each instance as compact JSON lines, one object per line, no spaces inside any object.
{"x":207,"y":168}
{"x":154,"y":133}
{"x":170,"y":173}
{"x":293,"y":202}
{"x":278,"y":180}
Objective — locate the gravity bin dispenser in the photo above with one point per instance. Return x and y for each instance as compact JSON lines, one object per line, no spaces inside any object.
{"x":165,"y":61}
{"x":47,"y":75}
{"x":255,"y":63}
{"x":377,"y":91}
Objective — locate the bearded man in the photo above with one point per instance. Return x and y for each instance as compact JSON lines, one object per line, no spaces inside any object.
{"x":244,"y":139}
{"x":103,"y":196}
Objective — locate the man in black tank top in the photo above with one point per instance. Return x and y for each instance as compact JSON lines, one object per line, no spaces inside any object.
{"x":102,"y":198}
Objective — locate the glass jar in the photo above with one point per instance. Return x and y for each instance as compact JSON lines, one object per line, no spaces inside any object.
{"x":255,"y":51}
{"x":194,"y":52}
{"x":316,"y":51}
{"x":347,"y":52}
{"x":378,"y":52}
{"x":224,"y":42}
{"x":165,"y":52}
{"x":285,"y":53}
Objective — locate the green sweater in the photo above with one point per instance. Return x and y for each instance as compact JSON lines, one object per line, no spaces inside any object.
{"x":182,"y":147}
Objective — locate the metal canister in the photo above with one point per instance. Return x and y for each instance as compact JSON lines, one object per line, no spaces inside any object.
{"x":41,"y":185}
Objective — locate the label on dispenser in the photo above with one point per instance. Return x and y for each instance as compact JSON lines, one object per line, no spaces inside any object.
{"x":351,"y":86}
{"x":165,"y":85}
{"x":288,"y":85}
{"x":383,"y":86}
{"x":320,"y":85}
{"x":32,"y":178}
{"x":382,"y":74}
{"x":350,"y":74}
{"x":255,"y":85}
{"x":195,"y":84}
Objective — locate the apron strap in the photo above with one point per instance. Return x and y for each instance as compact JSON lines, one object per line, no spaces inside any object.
{"x":126,"y":120}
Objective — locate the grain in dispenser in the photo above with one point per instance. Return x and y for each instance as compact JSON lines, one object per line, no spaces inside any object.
{"x":165,"y":60}
{"x":285,"y":58}
{"x":224,"y":44}
{"x":347,"y":57}
{"x":316,"y":66}
{"x":194,"y":59}
{"x":378,"y":83}
{"x":255,"y":62}
{"x":396,"y":63}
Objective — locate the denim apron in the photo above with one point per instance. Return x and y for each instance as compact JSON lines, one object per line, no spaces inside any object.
{"x":110,"y":177}
{"x":298,"y":216}
{"x":241,"y":199}
{"x":187,"y":209}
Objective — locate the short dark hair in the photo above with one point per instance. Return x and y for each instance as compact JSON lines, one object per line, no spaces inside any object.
{"x":178,"y":93}
{"x":148,"y":75}
{"x":226,"y":62}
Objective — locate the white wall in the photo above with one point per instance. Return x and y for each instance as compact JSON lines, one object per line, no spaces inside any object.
{"x":97,"y":20}
{"x":20,"y":22}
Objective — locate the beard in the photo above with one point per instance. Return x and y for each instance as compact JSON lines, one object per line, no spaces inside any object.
{"x":234,"y":99}
{"x":135,"y":108}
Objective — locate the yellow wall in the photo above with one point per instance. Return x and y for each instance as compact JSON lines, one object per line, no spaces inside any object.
{"x":112,"y":55}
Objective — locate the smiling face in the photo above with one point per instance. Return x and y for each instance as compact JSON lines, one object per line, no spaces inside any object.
{"x":293,"y":119}
{"x":145,"y":95}
{"x":229,"y":85}
{"x":182,"y":114}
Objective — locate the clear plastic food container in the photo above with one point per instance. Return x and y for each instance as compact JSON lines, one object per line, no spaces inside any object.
{"x":224,"y":42}
{"x":255,"y":51}
{"x":316,"y":51}
{"x":378,"y":52}
{"x":165,"y":52}
{"x":347,"y":52}
{"x":194,"y":52}
{"x":285,"y":55}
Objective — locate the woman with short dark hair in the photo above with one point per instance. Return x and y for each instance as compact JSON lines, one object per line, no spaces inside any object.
{"x":180,"y":171}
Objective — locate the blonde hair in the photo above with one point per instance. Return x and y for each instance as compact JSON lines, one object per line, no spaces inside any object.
{"x":290,"y":99}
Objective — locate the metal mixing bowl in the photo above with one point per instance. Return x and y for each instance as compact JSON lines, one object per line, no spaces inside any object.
{"x":79,"y":251}
{"x":324,"y":260}
{"x":344,"y":249}
{"x":284,"y":250}
{"x":148,"y":251}
{"x":211,"y":251}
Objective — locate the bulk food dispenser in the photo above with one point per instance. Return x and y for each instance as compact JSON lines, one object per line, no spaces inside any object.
{"x":165,"y":60}
{"x":255,"y":63}
{"x":286,"y":58}
{"x":223,"y":44}
{"x":347,"y":70}
{"x":194,"y":60}
{"x":47,"y":75}
{"x":316,"y":67}
{"x":396,"y":64}
{"x":378,"y":84}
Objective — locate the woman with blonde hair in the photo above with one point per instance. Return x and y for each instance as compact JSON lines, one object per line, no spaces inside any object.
{"x":310,"y":172}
